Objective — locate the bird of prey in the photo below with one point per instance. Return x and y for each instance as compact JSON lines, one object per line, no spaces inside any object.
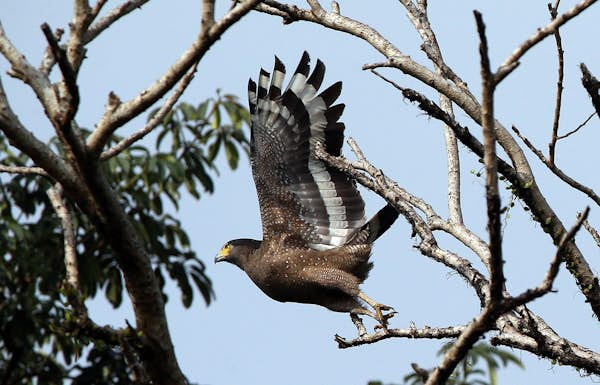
{"x":316,"y":240}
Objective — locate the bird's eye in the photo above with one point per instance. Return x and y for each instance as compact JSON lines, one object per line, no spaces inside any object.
{"x":224,"y":252}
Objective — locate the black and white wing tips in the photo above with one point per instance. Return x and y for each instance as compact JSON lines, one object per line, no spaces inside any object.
{"x":287,"y":126}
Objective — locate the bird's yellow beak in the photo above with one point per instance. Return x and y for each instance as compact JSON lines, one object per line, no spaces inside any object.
{"x":223,"y":253}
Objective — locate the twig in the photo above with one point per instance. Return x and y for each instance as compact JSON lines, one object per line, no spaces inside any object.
{"x":112,"y":16}
{"x":512,"y":61}
{"x":592,"y":86}
{"x":546,"y":285}
{"x":559,"y":83}
{"x":97,"y":8}
{"x":578,"y":127}
{"x":24,"y":170}
{"x":590,"y":229}
{"x":557,"y":171}
{"x":155,"y":120}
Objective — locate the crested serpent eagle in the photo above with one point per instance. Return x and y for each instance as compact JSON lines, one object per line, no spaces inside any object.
{"x":316,"y":241}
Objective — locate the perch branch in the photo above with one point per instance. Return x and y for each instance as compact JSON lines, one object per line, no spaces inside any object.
{"x":412,"y":332}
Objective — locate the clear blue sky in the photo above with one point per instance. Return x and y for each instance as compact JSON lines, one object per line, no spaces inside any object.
{"x":246,"y":338}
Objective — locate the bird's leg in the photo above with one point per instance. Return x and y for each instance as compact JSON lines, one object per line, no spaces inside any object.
{"x":379,"y":308}
{"x":359,"y":324}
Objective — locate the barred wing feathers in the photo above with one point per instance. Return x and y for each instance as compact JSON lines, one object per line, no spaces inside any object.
{"x":299,"y":195}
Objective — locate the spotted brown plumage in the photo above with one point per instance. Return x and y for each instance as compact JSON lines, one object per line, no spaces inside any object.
{"x":316,"y":241}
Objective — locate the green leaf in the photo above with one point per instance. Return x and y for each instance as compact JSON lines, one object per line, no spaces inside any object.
{"x":214,"y":148}
{"x":232,"y":155}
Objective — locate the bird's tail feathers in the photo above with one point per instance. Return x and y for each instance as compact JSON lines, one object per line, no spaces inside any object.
{"x":376,"y":226}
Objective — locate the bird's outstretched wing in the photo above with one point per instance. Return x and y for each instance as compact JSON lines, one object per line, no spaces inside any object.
{"x":301,"y":198}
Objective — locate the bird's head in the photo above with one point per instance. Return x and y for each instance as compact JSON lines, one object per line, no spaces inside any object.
{"x":237,"y":251}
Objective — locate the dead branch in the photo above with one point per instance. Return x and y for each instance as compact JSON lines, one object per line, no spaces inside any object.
{"x":559,"y":83}
{"x":23,"y":170}
{"x":412,"y":332}
{"x":489,"y":159}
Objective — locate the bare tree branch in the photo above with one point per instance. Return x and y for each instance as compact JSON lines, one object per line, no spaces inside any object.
{"x":546,"y":285}
{"x":21,"y":69}
{"x":155,"y":120}
{"x":559,"y":83}
{"x":557,"y":171}
{"x":48,"y":60}
{"x":112,"y":16}
{"x":559,"y":349}
{"x":23,"y":170}
{"x":512,"y":61}
{"x":69,"y":77}
{"x":208,"y":14}
{"x":590,"y":229}
{"x":491,"y":173}
{"x":578,"y":127}
{"x":412,"y":332}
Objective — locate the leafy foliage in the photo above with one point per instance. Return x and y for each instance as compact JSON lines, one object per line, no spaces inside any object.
{"x":34,"y":345}
{"x":470,"y":371}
